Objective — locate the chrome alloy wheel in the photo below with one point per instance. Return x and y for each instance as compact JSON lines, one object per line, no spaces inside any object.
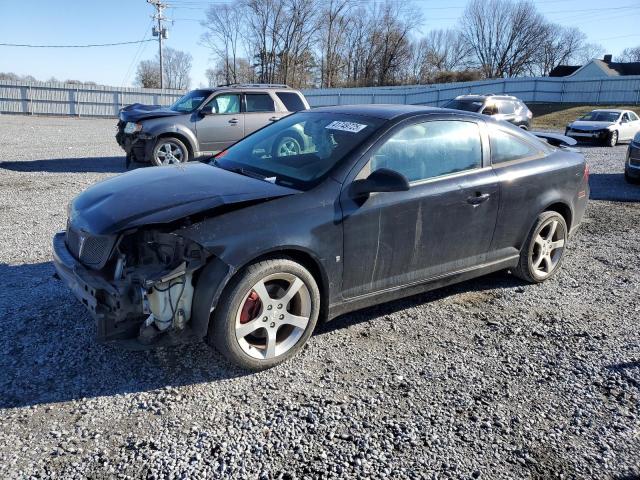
{"x":288,"y":146}
{"x":169,"y":153}
{"x":273,"y":316}
{"x":548,"y":247}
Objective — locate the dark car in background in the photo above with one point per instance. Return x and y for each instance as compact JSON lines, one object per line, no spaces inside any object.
{"x":205,"y":121}
{"x":632,"y":164}
{"x":501,"y":107}
{"x":252,"y":250}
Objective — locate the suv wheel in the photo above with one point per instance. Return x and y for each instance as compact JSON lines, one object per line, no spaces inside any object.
{"x":266,"y":315}
{"x":286,"y":145}
{"x":542,"y":253}
{"x":169,"y":151}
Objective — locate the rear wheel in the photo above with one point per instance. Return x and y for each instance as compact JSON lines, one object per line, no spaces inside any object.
{"x":266,"y":315}
{"x":169,"y":151}
{"x":542,"y":253}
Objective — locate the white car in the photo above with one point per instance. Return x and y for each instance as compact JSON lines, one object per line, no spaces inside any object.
{"x":608,"y":126}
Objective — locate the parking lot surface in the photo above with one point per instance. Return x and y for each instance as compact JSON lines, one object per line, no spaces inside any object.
{"x":491,"y":378}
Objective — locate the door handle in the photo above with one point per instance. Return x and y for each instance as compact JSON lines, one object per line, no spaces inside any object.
{"x":273,"y":119}
{"x":233,"y":121}
{"x":478,"y":198}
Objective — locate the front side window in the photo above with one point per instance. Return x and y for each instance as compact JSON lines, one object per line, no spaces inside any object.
{"x":260,"y":102}
{"x":224,"y":104}
{"x":506,"y":147}
{"x":299,"y":150}
{"x":431,"y":149}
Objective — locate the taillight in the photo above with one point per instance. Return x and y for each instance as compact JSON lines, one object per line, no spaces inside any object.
{"x":586,"y":171}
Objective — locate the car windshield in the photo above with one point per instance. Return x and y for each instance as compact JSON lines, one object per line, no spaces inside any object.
{"x":190,"y":101}
{"x":299,"y":150}
{"x":466,"y":105}
{"x":601,"y":116}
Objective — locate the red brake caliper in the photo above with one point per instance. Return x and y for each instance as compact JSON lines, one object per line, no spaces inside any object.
{"x":251,"y":307}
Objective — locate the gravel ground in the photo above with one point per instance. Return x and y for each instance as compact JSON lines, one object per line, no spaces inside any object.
{"x":488,"y":379}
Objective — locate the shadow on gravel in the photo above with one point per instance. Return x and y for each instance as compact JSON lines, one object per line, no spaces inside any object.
{"x":613,"y":187}
{"x":477,"y":285}
{"x":48,"y":351}
{"x":68,"y":165}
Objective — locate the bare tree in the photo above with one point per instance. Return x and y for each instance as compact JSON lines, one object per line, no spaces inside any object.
{"x":561,"y":46}
{"x":447,"y":50}
{"x":148,"y":74}
{"x":332,"y":31}
{"x":588,"y":52}
{"x":223,"y":36}
{"x":503,"y":35}
{"x":177,"y":67}
{"x":630,"y":55}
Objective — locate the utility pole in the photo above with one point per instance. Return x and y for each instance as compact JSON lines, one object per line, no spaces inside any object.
{"x":160,"y":31}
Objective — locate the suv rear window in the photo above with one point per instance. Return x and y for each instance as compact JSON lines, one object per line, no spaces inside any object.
{"x":292,"y":101}
{"x":260,"y":102}
{"x":506,"y":107}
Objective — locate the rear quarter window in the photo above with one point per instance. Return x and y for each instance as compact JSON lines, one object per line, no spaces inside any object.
{"x":506,"y":147}
{"x":291,"y":101}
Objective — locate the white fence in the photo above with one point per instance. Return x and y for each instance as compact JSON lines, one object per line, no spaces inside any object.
{"x":100,"y":101}
{"x":620,"y":90}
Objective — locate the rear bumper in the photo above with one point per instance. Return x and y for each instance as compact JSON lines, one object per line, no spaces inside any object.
{"x":116,"y":309}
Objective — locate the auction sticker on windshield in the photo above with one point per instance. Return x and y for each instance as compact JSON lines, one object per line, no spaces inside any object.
{"x":346,"y":126}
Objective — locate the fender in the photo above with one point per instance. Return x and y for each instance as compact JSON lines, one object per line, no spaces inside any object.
{"x":155,"y":131}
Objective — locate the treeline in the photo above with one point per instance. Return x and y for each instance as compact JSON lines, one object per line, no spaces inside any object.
{"x":342,"y":43}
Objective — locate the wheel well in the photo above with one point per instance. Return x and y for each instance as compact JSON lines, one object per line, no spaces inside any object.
{"x":311,"y":264}
{"x":180,"y":137}
{"x":563,"y":209}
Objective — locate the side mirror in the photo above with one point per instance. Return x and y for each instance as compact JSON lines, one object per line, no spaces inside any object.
{"x":206,"y":110}
{"x":381,"y":180}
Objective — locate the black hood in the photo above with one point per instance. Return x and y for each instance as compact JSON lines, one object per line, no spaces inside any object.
{"x":164,"y":194}
{"x":138,"y":111}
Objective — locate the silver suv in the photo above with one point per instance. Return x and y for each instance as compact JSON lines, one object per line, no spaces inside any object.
{"x":205,"y":121}
{"x":501,"y":107}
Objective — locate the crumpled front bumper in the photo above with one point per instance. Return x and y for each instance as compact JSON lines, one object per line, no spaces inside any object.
{"x":136,"y":146}
{"x":116,"y":307}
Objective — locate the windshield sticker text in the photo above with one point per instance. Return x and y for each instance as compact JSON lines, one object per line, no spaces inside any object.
{"x":346,"y":126}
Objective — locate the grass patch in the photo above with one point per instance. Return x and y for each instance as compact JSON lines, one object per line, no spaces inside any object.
{"x":557,"y":115}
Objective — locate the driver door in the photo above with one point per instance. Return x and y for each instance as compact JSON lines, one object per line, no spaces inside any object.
{"x":627,"y":130}
{"x":219,"y":123}
{"x":442,"y":224}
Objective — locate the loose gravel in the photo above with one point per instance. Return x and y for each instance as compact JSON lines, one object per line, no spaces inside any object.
{"x":491,"y":378}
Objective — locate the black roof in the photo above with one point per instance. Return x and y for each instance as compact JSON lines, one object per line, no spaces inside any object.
{"x":388,"y":112}
{"x":626,"y":68}
{"x":563,"y":70}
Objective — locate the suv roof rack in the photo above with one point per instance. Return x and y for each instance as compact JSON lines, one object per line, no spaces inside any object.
{"x":255,"y":85}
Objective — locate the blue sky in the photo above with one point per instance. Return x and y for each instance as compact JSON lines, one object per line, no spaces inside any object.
{"x":613,"y":23}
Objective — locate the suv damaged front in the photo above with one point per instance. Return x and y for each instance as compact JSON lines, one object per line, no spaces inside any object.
{"x":123,"y":254}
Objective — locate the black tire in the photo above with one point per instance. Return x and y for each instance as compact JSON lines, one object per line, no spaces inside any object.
{"x":160,"y":147}
{"x":222,"y":329}
{"x":525,"y":269}
{"x":612,"y":139}
{"x":287,"y":138}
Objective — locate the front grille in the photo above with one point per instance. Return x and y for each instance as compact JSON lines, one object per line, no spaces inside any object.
{"x":89,"y":249}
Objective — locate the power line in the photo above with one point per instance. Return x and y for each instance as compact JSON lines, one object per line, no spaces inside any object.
{"x":73,"y":46}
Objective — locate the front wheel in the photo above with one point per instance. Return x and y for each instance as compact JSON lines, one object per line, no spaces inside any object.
{"x":169,"y":151}
{"x":267,"y":314}
{"x":287,"y":145}
{"x":612,"y":139}
{"x":542,"y":252}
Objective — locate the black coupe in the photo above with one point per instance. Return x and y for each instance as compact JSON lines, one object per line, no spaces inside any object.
{"x":371,"y":203}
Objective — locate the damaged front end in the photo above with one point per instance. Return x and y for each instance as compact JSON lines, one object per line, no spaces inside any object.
{"x":136,"y":284}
